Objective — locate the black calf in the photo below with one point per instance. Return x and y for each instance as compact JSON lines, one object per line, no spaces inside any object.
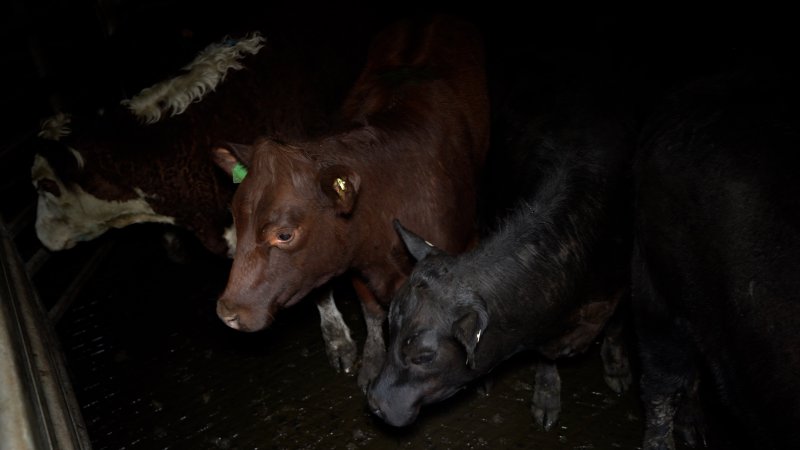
{"x":547,"y":279}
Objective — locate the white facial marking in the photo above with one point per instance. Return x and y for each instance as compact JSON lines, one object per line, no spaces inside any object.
{"x":75,"y":215}
{"x":230,"y":237}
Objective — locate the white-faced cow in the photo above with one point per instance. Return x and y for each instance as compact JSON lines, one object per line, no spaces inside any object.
{"x":716,"y":267}
{"x":148,"y":160}
{"x":413,"y":140}
{"x":548,"y":277}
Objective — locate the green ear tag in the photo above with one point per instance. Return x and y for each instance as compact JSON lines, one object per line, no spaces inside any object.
{"x":239,"y":172}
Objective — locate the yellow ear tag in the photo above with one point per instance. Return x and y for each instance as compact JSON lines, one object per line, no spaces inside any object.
{"x":340,"y":186}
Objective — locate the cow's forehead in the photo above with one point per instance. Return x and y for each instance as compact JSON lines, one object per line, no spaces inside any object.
{"x":418,"y":304}
{"x":274,"y":162}
{"x":268,"y":203}
{"x":435,"y":274}
{"x":279,"y":177}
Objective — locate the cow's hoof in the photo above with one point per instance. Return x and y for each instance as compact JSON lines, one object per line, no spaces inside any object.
{"x":546,"y":407}
{"x":485,"y":387}
{"x":616,"y":366}
{"x":689,"y":422}
{"x":546,"y":411}
{"x":693,"y":434}
{"x":620,"y":382}
{"x":342,"y":354}
{"x":658,"y":443}
{"x":546,"y":403}
{"x":659,"y":412}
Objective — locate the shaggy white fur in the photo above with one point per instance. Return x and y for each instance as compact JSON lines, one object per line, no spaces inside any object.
{"x":55,"y":127}
{"x":172,"y":97}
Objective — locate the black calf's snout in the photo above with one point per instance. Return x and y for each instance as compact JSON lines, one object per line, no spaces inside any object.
{"x":396,"y":407}
{"x":374,"y":408}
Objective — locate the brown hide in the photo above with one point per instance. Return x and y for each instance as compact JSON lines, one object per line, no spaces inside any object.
{"x":286,"y":90}
{"x":413,"y":143}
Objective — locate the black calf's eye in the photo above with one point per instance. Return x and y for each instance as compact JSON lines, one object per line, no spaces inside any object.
{"x":423,"y":358}
{"x":285,"y":236}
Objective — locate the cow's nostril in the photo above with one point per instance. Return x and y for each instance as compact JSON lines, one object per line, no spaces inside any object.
{"x":230,"y":317}
{"x":375,"y":409}
{"x":232,"y":321}
{"x":373,"y":405}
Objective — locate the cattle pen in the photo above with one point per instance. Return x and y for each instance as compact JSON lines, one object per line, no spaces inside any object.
{"x":115,"y":343}
{"x":151,"y":366}
{"x":138,"y":359}
{"x":117,"y":346}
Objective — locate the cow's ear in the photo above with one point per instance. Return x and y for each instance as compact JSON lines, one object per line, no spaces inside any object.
{"x":418,"y":247}
{"x":233,"y":159}
{"x":469,"y":326}
{"x":340,"y":184}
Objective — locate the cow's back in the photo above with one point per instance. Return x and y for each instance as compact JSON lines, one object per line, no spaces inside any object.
{"x":428,"y":69}
{"x":718,"y":249}
{"x":424,"y":88}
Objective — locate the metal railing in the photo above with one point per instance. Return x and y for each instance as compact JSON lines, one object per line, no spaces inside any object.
{"x":38,"y":409}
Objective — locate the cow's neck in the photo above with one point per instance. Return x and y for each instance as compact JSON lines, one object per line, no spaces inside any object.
{"x":526,"y":272}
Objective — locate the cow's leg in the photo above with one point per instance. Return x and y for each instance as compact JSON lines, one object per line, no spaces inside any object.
{"x":546,"y":405}
{"x":339,"y":346}
{"x":485,"y":386}
{"x":616,"y":367}
{"x":669,"y":406}
{"x":664,"y":349}
{"x":374,"y":347}
{"x":689,"y":419}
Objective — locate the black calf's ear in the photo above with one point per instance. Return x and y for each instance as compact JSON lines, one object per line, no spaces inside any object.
{"x":469,"y":326}
{"x":233,"y":159}
{"x":418,"y":247}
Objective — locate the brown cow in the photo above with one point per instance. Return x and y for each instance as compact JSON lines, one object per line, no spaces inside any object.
{"x":412,"y":143}
{"x":148,"y":159}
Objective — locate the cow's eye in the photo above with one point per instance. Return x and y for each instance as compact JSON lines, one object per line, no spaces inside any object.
{"x":423,"y":358}
{"x":282,"y":237}
{"x":48,"y":185}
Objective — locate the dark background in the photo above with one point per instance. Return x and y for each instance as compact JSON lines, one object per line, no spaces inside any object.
{"x":74,"y":54}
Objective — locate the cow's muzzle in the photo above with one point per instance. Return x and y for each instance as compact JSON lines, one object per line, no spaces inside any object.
{"x":229,"y":317}
{"x":372,"y":403}
{"x":393,"y":408}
